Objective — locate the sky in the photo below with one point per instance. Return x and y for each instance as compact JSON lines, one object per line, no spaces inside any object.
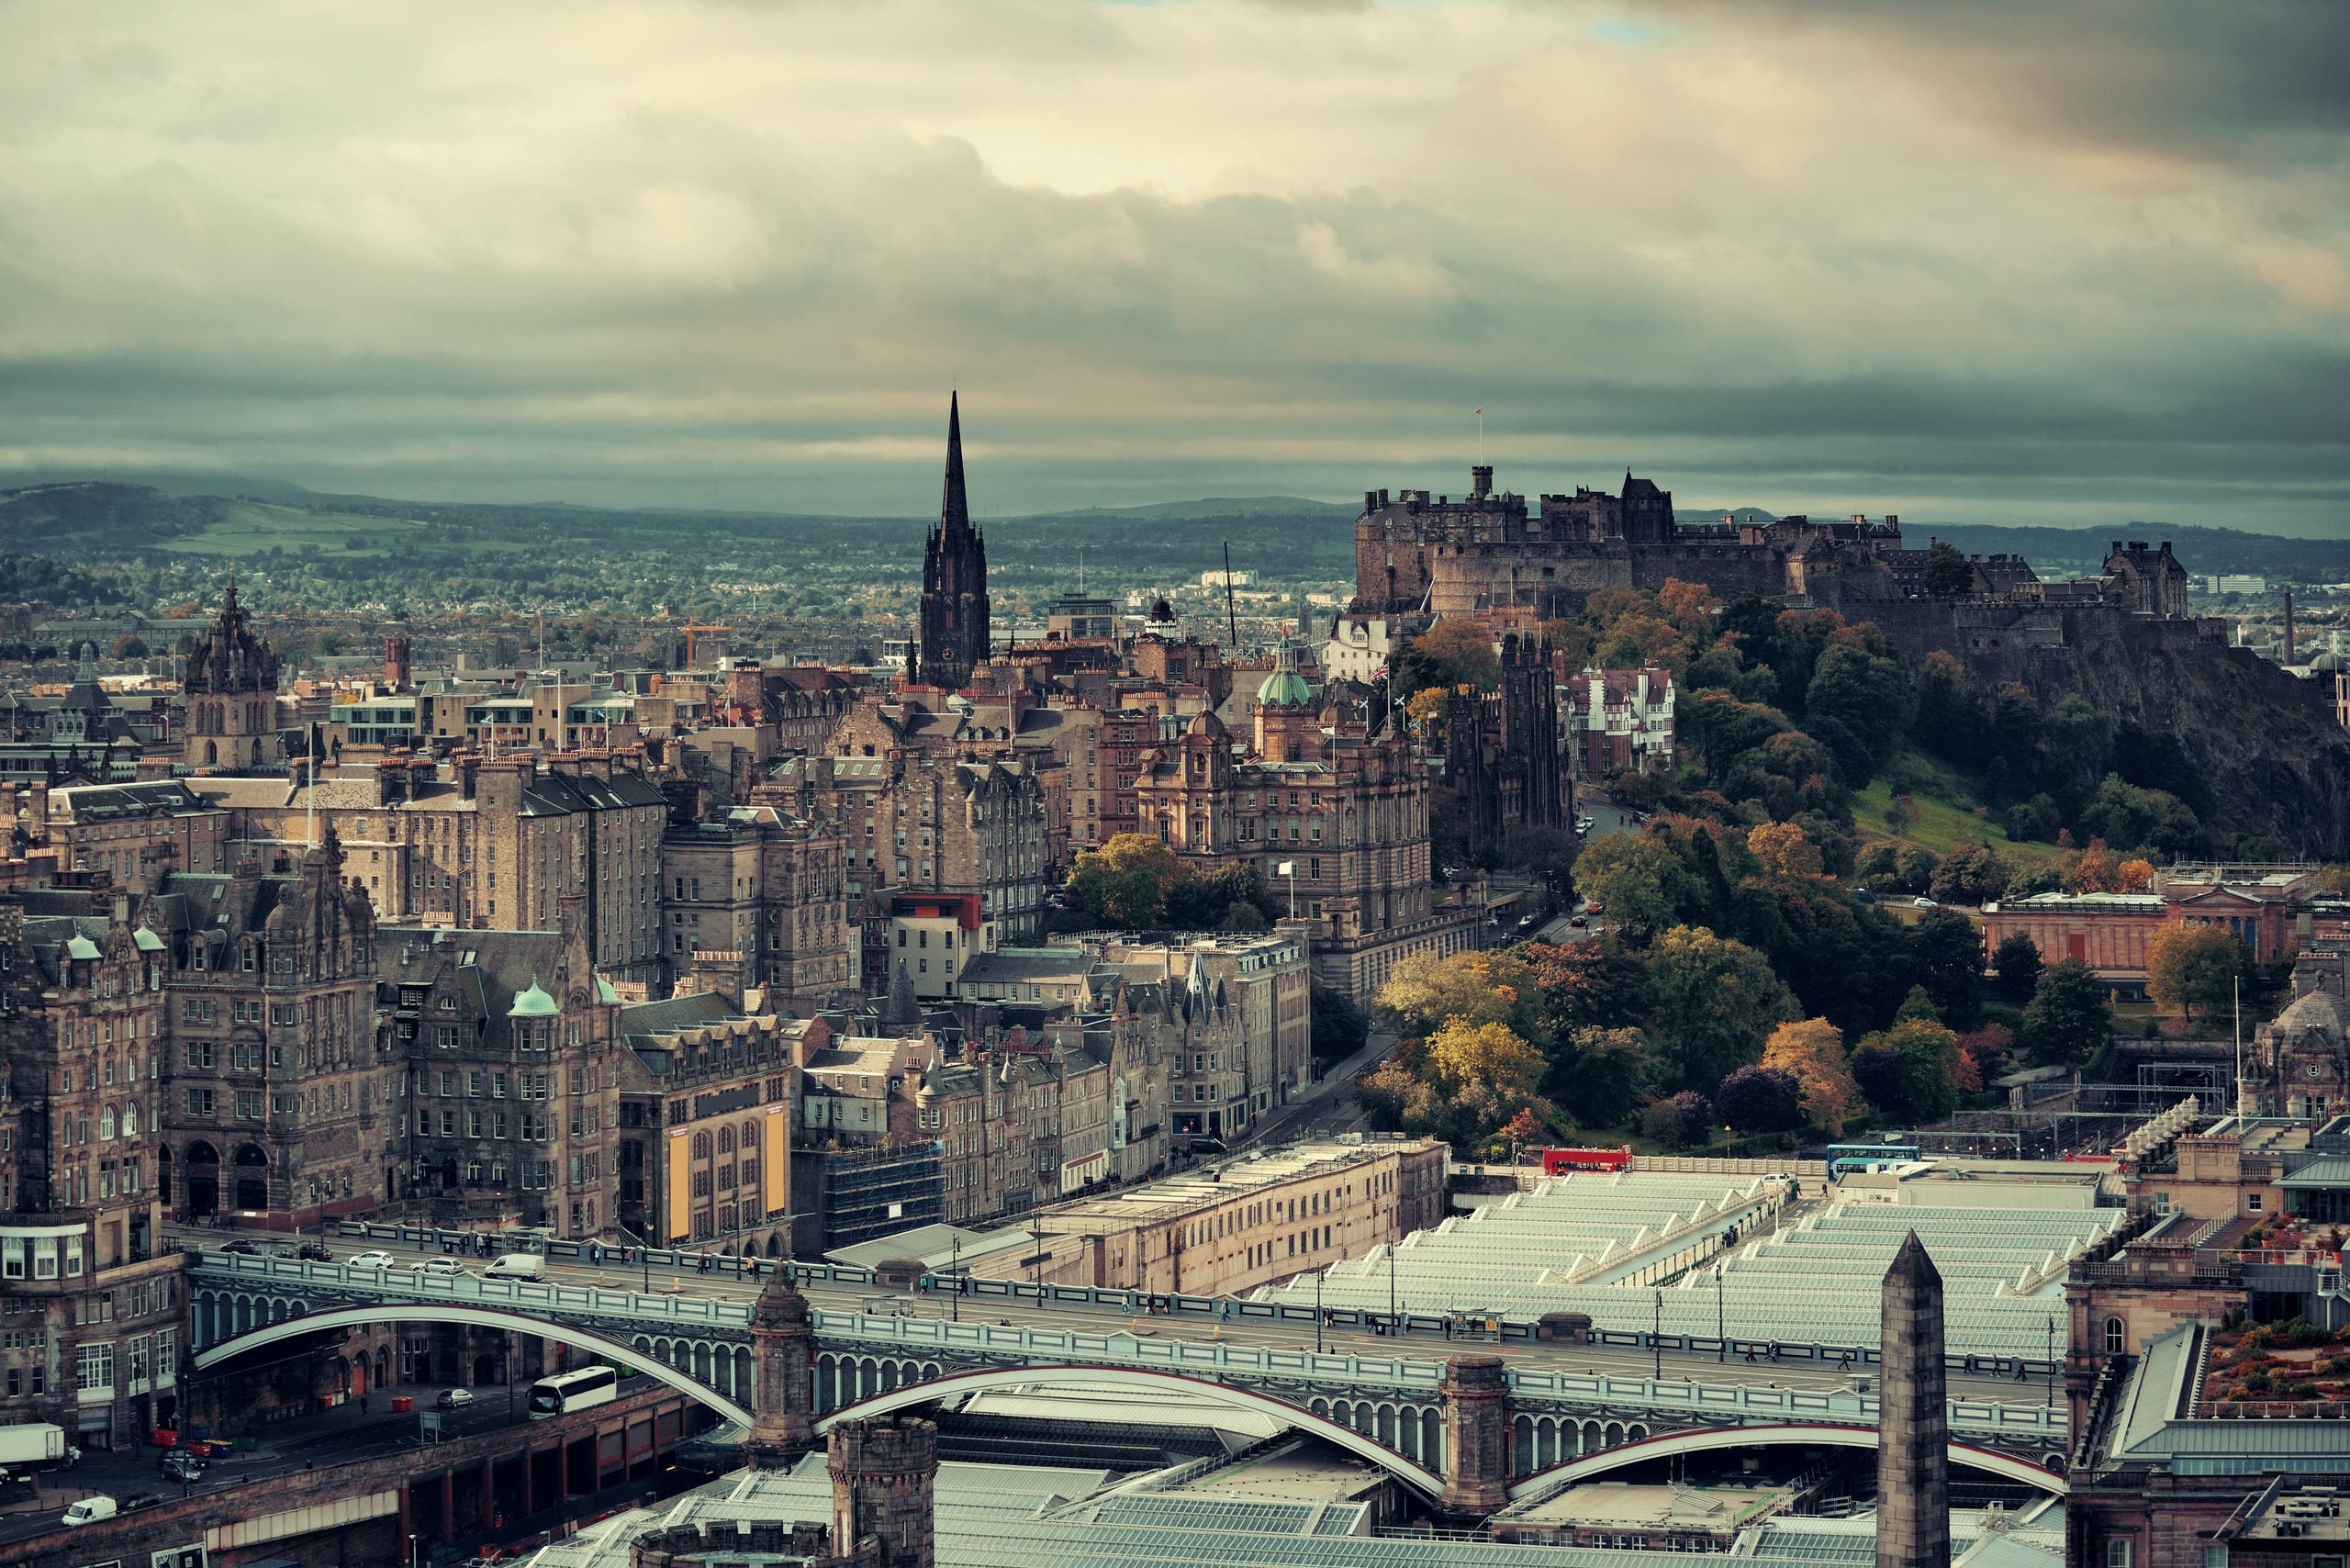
{"x":2067,"y":261}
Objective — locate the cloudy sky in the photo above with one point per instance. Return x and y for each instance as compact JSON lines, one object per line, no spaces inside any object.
{"x":2010,"y":260}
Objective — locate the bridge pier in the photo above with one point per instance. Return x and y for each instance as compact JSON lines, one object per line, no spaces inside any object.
{"x":783,"y":1393}
{"x":1475,"y":1393}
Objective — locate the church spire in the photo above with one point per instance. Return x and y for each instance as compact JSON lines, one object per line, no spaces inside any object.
{"x":954,"y":507}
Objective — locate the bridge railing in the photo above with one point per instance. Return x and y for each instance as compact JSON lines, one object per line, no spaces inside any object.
{"x":684,"y":1260}
{"x":1133,"y":1347}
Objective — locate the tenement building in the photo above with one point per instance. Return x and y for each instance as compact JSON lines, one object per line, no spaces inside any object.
{"x":771,"y":887}
{"x":1330,"y":804}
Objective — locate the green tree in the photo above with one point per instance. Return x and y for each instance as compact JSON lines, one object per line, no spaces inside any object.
{"x":1681,"y":1121}
{"x":1947,"y":954}
{"x":1968,"y":874}
{"x":1911,"y":1071}
{"x":2018,"y":960}
{"x":1948,"y":571}
{"x":1640,"y":881}
{"x":2068,"y":1019}
{"x":1125,"y":883}
{"x":2191,"y":962}
{"x":1865,"y":692}
{"x":1760,"y":1100}
{"x":1339,"y":1026}
{"x":1585,"y":985}
{"x":1711,"y":1002}
{"x":1600,"y":1076}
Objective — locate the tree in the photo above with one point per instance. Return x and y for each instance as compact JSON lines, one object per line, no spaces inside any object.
{"x":1462,"y":1053}
{"x":1711,"y":1002}
{"x":1600,"y":1076}
{"x":2068,"y":1019}
{"x":1125,"y":883}
{"x":1812,"y":1053}
{"x":1911,"y":1071}
{"x":1760,"y":1099}
{"x":1547,"y":853}
{"x":1948,"y":954}
{"x":1425,"y":992}
{"x":1339,"y":1028}
{"x":1585,"y":985}
{"x":1968,"y":874}
{"x":1683,"y":1121}
{"x":2018,"y":960}
{"x":1867,"y":693}
{"x":1785,"y":852}
{"x":1447,"y":654}
{"x":1640,"y":879}
{"x":2191,"y":962}
{"x":1948,"y":571}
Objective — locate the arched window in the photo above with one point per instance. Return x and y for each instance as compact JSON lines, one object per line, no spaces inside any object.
{"x":726,"y":1140}
{"x":750,"y":1134}
{"x":130,"y":1120}
{"x":106,"y":1125}
{"x":701,"y":1145}
{"x":2113,"y":1335}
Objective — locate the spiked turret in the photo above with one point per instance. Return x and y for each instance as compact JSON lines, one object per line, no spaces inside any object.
{"x":954,"y":634}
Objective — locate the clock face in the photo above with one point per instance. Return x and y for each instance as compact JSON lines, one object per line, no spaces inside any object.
{"x":2316,"y":1071}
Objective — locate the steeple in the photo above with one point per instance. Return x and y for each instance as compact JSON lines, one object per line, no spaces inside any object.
{"x":953,"y":637}
{"x":953,"y":506}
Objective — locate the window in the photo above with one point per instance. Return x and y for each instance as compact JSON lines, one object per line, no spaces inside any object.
{"x":2252,"y":1205}
{"x":2114,"y":1336}
{"x":2117,"y":1554}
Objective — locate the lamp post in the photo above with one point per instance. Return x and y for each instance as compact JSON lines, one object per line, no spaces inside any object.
{"x":1721,"y":1319}
{"x":1317,"y":1307}
{"x":955,"y":1304}
{"x":1656,"y":1337}
{"x":1394,"y":1322}
{"x":2050,"y":1403}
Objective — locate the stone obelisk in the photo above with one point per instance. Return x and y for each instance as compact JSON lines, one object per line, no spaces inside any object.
{"x":1913,"y":1418}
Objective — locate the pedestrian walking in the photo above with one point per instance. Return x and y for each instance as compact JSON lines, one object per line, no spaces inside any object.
{"x":363,"y":1405}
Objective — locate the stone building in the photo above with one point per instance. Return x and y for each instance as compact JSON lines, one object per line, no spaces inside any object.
{"x":506,"y":1044}
{"x":1247,"y":1223}
{"x":92,"y":1315}
{"x":2109,"y":932}
{"x":1245,"y":1003}
{"x":500,"y":846}
{"x":136,"y":834}
{"x":771,"y":887}
{"x":1330,"y":805}
{"x":952,"y":640}
{"x":1618,"y":721}
{"x":231,"y":686}
{"x":278,"y":1106}
{"x":709,"y":1098}
{"x":1503,"y":768}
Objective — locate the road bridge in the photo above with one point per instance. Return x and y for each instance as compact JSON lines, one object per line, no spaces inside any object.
{"x":1556,"y":1410}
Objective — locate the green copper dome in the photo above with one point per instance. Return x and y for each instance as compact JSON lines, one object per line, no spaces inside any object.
{"x":1284,"y":688}
{"x":532,"y":1003}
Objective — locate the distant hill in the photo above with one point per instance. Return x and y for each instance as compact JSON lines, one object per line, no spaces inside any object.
{"x":1218,"y":506}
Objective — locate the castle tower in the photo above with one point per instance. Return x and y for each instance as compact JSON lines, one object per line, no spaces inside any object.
{"x":231,"y":695}
{"x":883,"y":1476}
{"x":398,"y":668}
{"x":953,"y":638}
{"x":783,"y":1397}
{"x":1913,"y":1418}
{"x":1475,"y":1393}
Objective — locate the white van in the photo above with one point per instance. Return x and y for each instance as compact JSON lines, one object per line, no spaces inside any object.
{"x":517,"y":1266}
{"x":89,"y":1510}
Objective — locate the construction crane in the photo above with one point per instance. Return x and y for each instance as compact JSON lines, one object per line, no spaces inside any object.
{"x":695,"y":631}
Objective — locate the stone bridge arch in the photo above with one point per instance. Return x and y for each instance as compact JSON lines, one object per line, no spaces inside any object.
{"x":1710,"y":1439}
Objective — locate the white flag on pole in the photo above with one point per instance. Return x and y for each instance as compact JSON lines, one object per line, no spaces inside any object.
{"x":1286,"y":869}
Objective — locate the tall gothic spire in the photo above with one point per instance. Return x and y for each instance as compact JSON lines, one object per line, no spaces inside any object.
{"x":954,"y":507}
{"x":953,"y":637}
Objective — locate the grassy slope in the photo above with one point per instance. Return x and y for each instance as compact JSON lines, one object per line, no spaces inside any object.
{"x":248,"y":528}
{"x":1945,"y":816}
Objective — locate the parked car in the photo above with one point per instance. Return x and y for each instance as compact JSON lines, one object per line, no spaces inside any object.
{"x":442,"y":1267}
{"x":1578,"y":922}
{"x":453,"y":1399}
{"x":1922,"y":901}
{"x":181,"y":1466}
{"x":375,"y":1260}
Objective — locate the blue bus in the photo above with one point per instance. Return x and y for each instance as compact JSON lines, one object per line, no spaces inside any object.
{"x":1843,"y":1158}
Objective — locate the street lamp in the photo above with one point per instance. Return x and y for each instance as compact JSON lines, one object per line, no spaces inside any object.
{"x":955,"y":1303}
{"x":1394,"y":1322}
{"x":1656,"y":1337}
{"x":1317,"y":1307}
{"x":2050,"y":1403}
{"x":1721,"y":1319}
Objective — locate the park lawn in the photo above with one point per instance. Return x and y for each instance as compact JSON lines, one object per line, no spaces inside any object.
{"x":1942,"y":826}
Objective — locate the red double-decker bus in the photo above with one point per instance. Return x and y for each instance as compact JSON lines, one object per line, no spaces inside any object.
{"x":1558,"y":1162}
